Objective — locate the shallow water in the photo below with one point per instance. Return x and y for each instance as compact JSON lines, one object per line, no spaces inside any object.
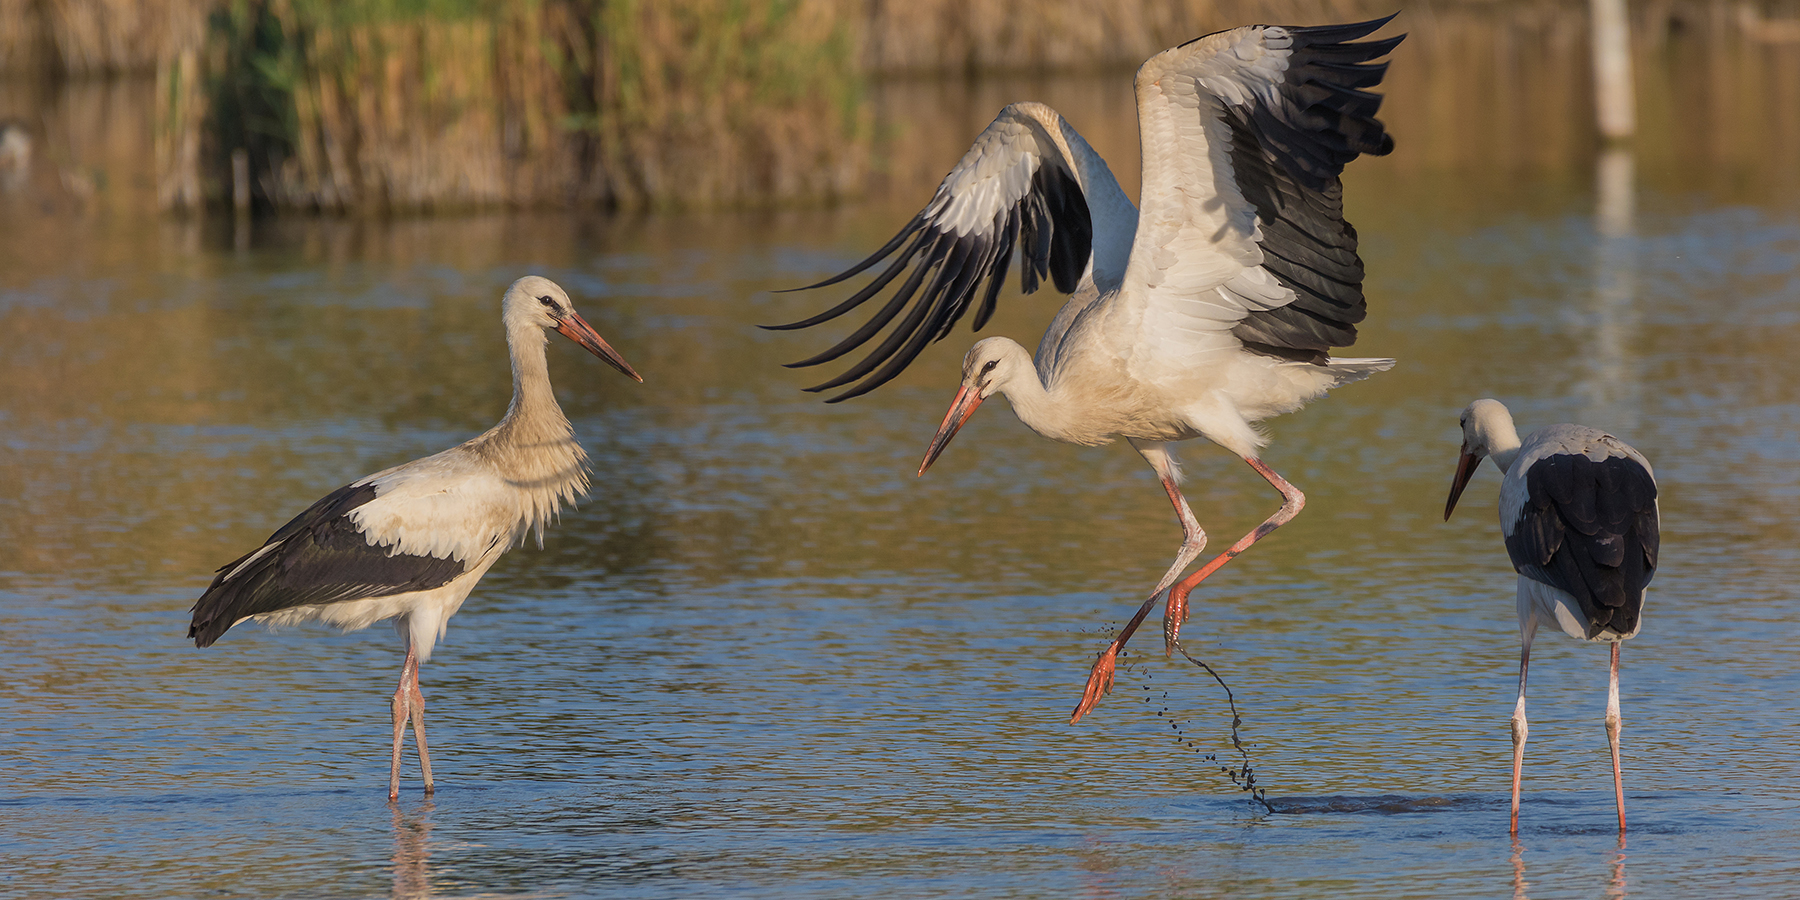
{"x":764,"y":659}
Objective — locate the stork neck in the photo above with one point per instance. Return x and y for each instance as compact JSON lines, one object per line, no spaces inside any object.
{"x":1504,"y":448}
{"x":1036,"y":406}
{"x":533,"y":413}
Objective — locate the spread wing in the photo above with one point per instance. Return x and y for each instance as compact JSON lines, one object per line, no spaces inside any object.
{"x":1589,"y":529}
{"x":1242,"y":230}
{"x":1029,"y":179}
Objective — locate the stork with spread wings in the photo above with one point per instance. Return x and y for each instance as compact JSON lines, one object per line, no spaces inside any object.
{"x":1213,"y":307}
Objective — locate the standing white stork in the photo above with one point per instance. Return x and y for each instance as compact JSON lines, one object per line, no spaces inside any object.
{"x":410,"y":542}
{"x":1578,"y":510}
{"x":1212,"y":308}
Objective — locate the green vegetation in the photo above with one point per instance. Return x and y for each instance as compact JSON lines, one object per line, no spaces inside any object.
{"x":380,"y":105}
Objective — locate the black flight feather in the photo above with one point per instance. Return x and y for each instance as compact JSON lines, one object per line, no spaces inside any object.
{"x":1050,"y":226}
{"x":322,"y":558}
{"x":1287,"y":158}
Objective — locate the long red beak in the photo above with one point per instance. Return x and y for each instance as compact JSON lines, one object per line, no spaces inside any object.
{"x":1465,"y":469}
{"x":967,"y":401}
{"x":576,"y":329}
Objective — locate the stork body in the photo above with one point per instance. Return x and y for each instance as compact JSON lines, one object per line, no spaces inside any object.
{"x":1578,"y":511}
{"x":1211,"y":308}
{"x":409,"y":543}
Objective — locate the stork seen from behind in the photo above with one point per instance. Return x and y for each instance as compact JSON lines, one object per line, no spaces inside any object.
{"x":1578,"y":511}
{"x":409,"y":543}
{"x":1213,"y":307}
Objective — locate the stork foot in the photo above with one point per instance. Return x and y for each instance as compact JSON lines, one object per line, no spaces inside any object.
{"x":1175,"y":613}
{"x":1099,"y":683}
{"x":1100,"y":679}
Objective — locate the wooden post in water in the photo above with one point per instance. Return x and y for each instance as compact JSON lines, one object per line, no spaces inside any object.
{"x":240,"y":199}
{"x":240,"y":180}
{"x":1615,"y":102}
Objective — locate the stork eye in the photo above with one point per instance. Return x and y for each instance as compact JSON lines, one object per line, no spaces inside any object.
{"x":990,"y":366}
{"x":549,"y":304}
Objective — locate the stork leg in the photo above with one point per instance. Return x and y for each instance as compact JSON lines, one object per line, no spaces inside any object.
{"x":1612,"y":734}
{"x":1193,"y":537}
{"x":418,"y":724}
{"x":1527,"y":631}
{"x":402,"y":707}
{"x":409,"y":702}
{"x":1292,"y":501}
{"x":1100,"y":678}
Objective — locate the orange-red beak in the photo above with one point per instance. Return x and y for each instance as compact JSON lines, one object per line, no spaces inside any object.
{"x":967,"y":400}
{"x":576,"y":329}
{"x":1465,"y":469}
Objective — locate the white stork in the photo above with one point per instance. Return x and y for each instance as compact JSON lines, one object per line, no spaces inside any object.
{"x":1212,"y":308}
{"x":1578,"y":510}
{"x":410,"y":542}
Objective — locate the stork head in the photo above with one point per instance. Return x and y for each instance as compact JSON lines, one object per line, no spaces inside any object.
{"x":539,"y":302}
{"x":1483,"y":422}
{"x":991,"y":365}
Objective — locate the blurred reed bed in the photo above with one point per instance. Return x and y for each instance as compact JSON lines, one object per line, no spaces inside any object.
{"x":415,"y":105}
{"x":957,"y":36}
{"x":440,"y":104}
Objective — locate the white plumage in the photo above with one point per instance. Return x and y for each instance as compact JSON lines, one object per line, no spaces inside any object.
{"x":1578,"y":511}
{"x":1212,"y":307}
{"x":409,"y":543}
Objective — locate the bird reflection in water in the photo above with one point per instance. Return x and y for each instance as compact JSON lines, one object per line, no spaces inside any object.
{"x":1518,"y":864}
{"x":1615,"y":885}
{"x":412,"y":877}
{"x":1615,"y":889}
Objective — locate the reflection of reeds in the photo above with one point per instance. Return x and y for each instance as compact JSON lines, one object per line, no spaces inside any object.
{"x":432,"y":104}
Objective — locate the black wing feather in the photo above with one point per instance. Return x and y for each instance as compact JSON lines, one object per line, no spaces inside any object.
{"x":1286,"y":159}
{"x":997,"y":279}
{"x":871,"y":289}
{"x":322,"y":558}
{"x":884,"y":315}
{"x":1590,"y":529}
{"x":1051,"y":227}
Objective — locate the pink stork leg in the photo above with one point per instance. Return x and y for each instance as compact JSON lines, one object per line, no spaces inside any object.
{"x":1100,"y":678}
{"x":1612,"y":735}
{"x":418,"y":724}
{"x":409,"y":702}
{"x":1193,"y":537}
{"x":1292,"y":501}
{"x":1520,"y":728}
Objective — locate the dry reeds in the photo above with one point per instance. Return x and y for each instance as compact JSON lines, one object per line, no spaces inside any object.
{"x":97,"y":37}
{"x":359,"y":107}
{"x":400,"y":105}
{"x":935,"y":36}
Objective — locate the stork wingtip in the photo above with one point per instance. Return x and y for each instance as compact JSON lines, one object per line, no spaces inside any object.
{"x":200,"y":638}
{"x":856,"y":391}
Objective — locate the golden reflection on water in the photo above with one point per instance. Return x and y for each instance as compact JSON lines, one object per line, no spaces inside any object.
{"x":166,"y":399}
